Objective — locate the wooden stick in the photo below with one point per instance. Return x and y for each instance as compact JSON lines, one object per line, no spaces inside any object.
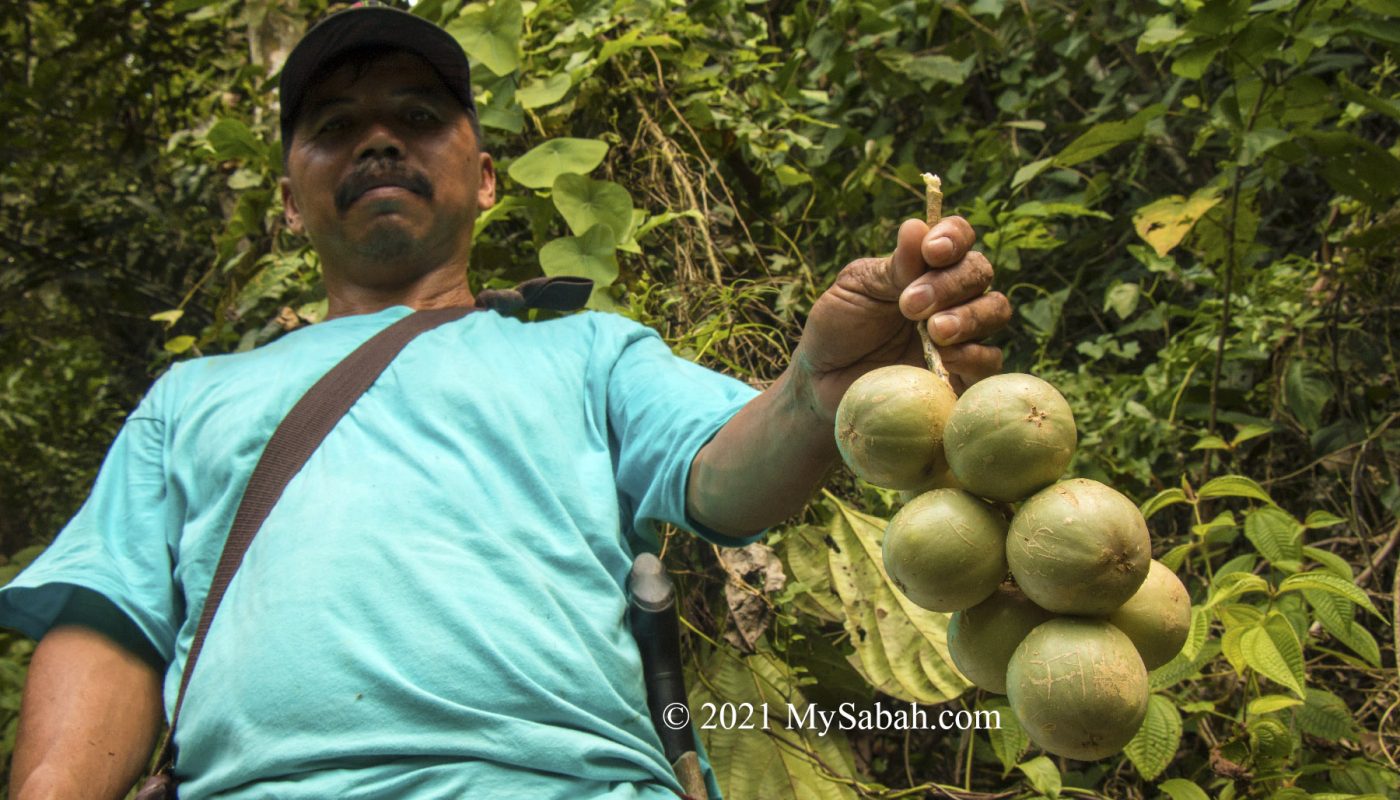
{"x":933,"y":197}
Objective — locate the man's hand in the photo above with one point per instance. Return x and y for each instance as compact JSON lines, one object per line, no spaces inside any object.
{"x":866,"y":319}
{"x":763,"y":465}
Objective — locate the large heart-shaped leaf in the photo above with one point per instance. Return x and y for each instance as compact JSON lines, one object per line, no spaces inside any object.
{"x":539,"y":168}
{"x":550,"y":90}
{"x":592,"y":255}
{"x":585,"y":202}
{"x":490,"y":33}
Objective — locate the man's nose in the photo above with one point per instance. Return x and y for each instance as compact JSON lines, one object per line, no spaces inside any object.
{"x":380,"y":141}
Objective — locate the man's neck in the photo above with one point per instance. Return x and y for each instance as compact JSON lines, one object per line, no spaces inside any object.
{"x":432,"y":291}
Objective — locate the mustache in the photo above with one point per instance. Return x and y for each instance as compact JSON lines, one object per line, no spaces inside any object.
{"x":373,"y":174}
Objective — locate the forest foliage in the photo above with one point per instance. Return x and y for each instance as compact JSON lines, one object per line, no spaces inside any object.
{"x":1191,"y":205}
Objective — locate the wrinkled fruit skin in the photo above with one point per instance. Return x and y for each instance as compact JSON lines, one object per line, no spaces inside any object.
{"x":1079,"y":547}
{"x":889,"y":426}
{"x":946,"y":550}
{"x":982,"y":638}
{"x":1157,"y":617}
{"x":1078,"y":688}
{"x":1009,"y":436}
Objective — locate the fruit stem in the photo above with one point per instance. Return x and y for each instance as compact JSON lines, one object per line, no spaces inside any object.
{"x":933,"y":197}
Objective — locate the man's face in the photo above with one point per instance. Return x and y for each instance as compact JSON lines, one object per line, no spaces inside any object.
{"x":384,"y":173}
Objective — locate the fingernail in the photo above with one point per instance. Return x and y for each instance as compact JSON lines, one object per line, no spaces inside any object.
{"x":942,"y":249}
{"x":945,"y":327}
{"x":920,"y":299}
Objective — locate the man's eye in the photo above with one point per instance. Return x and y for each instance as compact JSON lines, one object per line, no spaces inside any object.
{"x":332,"y":125}
{"x":420,"y":115}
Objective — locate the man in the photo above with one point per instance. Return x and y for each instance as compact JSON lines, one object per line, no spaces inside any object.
{"x":435,"y":606}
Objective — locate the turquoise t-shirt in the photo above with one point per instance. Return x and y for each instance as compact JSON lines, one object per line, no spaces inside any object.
{"x":436,"y":606}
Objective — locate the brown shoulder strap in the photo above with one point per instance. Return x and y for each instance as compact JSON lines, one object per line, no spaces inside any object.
{"x":313,"y":416}
{"x":292,"y":443}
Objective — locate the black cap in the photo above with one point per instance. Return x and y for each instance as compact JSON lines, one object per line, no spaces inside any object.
{"x":369,"y":25}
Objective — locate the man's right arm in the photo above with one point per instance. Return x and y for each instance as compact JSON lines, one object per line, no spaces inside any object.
{"x":92,"y":708}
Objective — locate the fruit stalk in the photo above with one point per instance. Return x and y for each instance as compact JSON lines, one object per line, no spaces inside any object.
{"x":933,"y":198}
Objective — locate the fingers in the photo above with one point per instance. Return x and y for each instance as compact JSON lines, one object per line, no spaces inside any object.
{"x":919,"y":247}
{"x":976,"y":319}
{"x":938,"y":289}
{"x":947,"y":242}
{"x":970,"y":362}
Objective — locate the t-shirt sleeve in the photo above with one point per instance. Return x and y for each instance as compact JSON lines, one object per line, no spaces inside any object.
{"x":117,"y":544}
{"x":661,"y":410}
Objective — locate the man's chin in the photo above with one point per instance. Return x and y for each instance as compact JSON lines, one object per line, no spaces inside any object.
{"x":387,"y":243}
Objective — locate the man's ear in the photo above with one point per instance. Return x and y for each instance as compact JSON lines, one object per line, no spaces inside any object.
{"x":486,"y":191}
{"x":290,"y":212}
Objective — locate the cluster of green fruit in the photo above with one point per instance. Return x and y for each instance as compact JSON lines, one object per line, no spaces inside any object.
{"x":1069,"y":638}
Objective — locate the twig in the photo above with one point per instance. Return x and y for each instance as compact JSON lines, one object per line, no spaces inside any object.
{"x":933,"y":199}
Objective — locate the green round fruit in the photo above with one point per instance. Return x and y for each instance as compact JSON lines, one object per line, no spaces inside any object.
{"x":1078,"y":547}
{"x":1009,"y":436}
{"x":1157,"y":617}
{"x":946,"y":550}
{"x":889,"y":426}
{"x":1078,"y":688}
{"x":981,"y":639}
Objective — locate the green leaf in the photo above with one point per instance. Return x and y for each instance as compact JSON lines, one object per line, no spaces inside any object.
{"x":179,"y":344}
{"x":1009,"y":740}
{"x":1181,"y":667}
{"x":1364,"y":98}
{"x":1192,"y":61}
{"x":1232,"y":646}
{"x":1235,"y":584}
{"x":749,"y":762}
{"x":168,"y":317}
{"x":1210,"y":443}
{"x":490,"y":33}
{"x":1043,"y":775}
{"x":1123,"y":299}
{"x":665,"y":217}
{"x":1336,"y":615}
{"x":585,"y":202}
{"x":1234,"y":486}
{"x":901,"y":648}
{"x":1357,"y":167}
{"x":1327,"y":582}
{"x":1269,"y":703}
{"x":231,"y":140}
{"x":1174,"y":557}
{"x":1159,"y":501}
{"x":1164,"y":223}
{"x":539,"y":168}
{"x":592,"y":255}
{"x":927,"y":71}
{"x":543,"y":93}
{"x":1154,"y":746}
{"x":1182,"y":789}
{"x":1330,"y":561}
{"x":1325,"y":716}
{"x":1028,"y":172}
{"x":1275,"y":534}
{"x":1197,"y":634}
{"x":633,"y":39}
{"x":1105,"y":136}
{"x":1250,"y":431}
{"x":1306,"y":394}
{"x":803,"y":552}
{"x":1272,"y":649}
{"x":1322,"y":519}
